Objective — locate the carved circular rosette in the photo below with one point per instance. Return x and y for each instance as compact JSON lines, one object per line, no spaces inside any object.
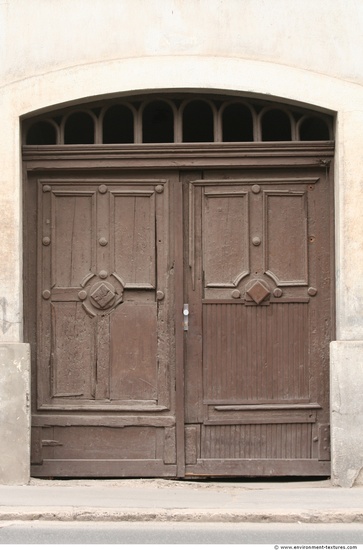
{"x":46,"y":241}
{"x":235,"y":294}
{"x":255,"y":189}
{"x":160,"y":295}
{"x":159,"y":188}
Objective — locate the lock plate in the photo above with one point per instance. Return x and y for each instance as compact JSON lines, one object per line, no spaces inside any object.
{"x":186,"y":316}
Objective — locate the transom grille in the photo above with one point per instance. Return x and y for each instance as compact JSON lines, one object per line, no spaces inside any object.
{"x":183,"y":118}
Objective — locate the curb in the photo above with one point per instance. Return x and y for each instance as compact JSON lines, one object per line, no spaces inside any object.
{"x":180,"y":515}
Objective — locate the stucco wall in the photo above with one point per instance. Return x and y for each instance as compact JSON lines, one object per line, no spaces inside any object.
{"x":47,"y":35}
{"x":60,"y":51}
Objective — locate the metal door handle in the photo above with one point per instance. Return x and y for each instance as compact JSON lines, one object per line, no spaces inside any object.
{"x":186,"y":316}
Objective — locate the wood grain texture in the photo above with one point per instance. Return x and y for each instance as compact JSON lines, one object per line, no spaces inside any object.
{"x":105,"y":338}
{"x":285,"y":229}
{"x":255,"y":353}
{"x":261,"y":356}
{"x":225,"y":232}
{"x":133,"y":371}
{"x":123,"y":377}
{"x":134,"y":236}
{"x":276,"y":441}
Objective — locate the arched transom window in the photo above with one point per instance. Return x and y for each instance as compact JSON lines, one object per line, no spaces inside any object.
{"x":183,"y":118}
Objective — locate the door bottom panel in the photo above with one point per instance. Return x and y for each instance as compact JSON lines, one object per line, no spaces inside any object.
{"x":103,"y":451}
{"x":258,"y":467}
{"x":103,"y":468}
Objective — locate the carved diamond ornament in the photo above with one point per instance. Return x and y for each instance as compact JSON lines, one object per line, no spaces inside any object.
{"x":103,"y":295}
{"x":258,"y":292}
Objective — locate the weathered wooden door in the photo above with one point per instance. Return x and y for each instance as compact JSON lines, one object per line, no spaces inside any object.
{"x":113,"y":255}
{"x":259,"y":293}
{"x":104,"y":383}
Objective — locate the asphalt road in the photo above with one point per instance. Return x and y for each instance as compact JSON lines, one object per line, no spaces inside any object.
{"x":54,"y":532}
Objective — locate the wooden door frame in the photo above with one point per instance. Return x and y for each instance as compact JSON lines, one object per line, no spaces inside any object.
{"x":174,"y":157}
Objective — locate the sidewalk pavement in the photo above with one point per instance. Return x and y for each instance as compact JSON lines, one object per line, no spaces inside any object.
{"x":192,"y":501}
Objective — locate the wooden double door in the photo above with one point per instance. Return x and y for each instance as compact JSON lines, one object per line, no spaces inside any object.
{"x":180,"y":321}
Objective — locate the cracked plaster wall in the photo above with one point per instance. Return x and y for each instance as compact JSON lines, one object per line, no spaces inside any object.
{"x":15,"y":409}
{"x":347,"y":413}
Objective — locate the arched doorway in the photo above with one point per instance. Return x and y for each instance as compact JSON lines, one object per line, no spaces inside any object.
{"x":179,"y":287}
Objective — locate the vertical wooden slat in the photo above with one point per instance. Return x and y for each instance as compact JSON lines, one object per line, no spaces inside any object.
{"x":103,"y":358}
{"x":179,"y":336}
{"x":73,"y":364}
{"x":169,"y":446}
{"x":255,"y":353}
{"x":254,"y":441}
{"x":191,"y":444}
{"x":36,"y":445}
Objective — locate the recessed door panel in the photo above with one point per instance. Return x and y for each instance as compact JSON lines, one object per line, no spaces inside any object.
{"x":134,"y":217}
{"x":134,"y":366}
{"x":245,"y":358}
{"x":285,"y":237}
{"x":225,"y":227}
{"x":73,"y":343}
{"x":69,"y":221}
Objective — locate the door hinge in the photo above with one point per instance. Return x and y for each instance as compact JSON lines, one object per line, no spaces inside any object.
{"x":51,"y":443}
